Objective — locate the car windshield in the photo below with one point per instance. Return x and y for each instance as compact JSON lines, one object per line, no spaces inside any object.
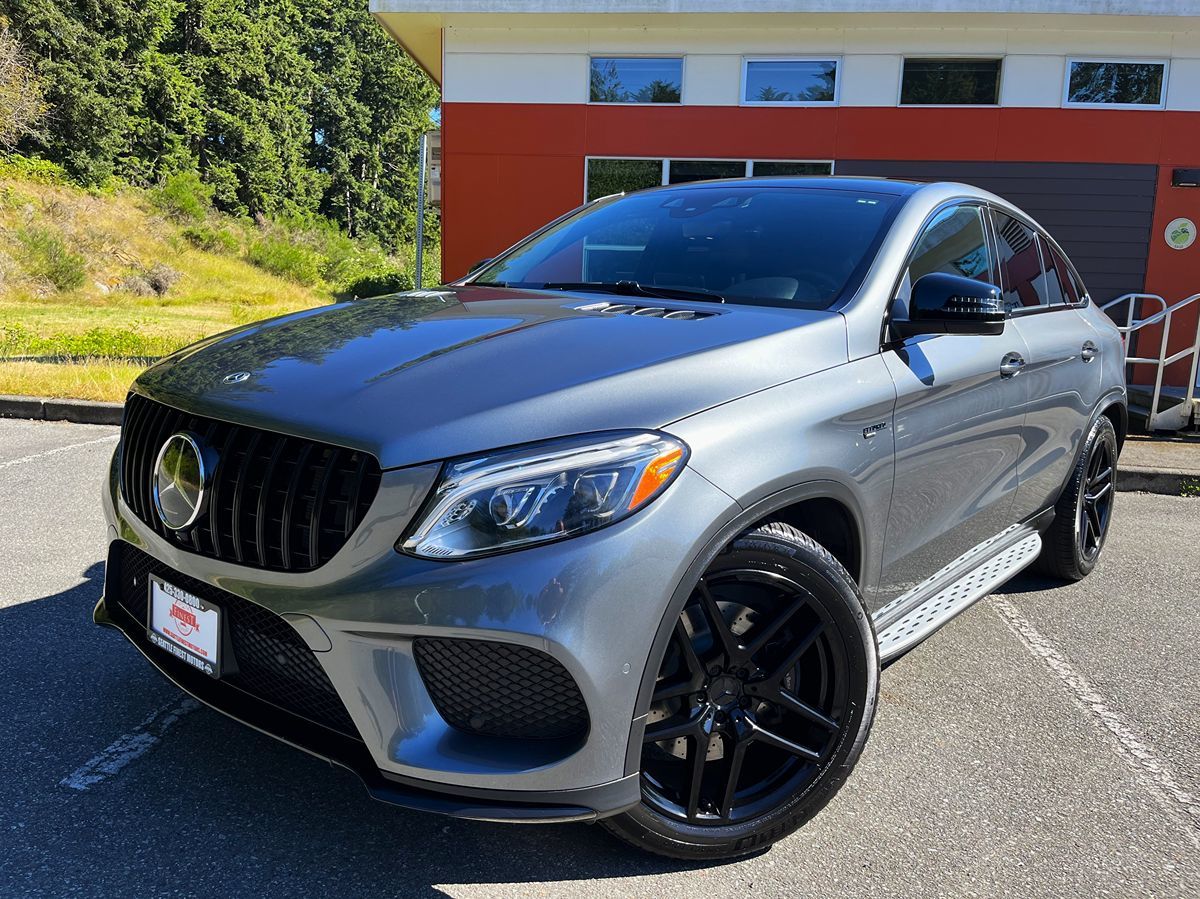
{"x":803,"y":247}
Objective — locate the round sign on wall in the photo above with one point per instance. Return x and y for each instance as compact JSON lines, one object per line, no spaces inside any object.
{"x":1180,"y":234}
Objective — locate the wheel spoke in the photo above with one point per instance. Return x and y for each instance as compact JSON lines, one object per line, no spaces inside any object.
{"x":1099,"y":494}
{"x":770,"y":738}
{"x":1094,"y":521}
{"x":798,"y":650}
{"x":717,"y":623}
{"x":699,"y":745}
{"x":792,"y":703}
{"x":763,"y":637}
{"x":670,"y":730}
{"x":689,"y":651}
{"x":1099,"y":477}
{"x":733,"y":772}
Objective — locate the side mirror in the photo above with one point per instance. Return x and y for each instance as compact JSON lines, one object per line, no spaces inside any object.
{"x":951,"y":304}
{"x":478,"y":265}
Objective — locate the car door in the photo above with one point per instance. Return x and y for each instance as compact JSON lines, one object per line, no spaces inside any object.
{"x":1062,"y":372}
{"x":958,"y":416}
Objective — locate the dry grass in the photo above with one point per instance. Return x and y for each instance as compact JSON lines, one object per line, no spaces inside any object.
{"x":114,"y":236}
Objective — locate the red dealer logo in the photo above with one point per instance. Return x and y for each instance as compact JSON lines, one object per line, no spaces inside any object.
{"x":186,"y":618}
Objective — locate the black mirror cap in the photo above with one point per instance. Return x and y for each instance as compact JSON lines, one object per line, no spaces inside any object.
{"x":952,"y":304}
{"x":480,"y":264}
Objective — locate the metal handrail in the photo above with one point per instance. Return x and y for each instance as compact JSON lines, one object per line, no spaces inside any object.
{"x":1176,"y":417}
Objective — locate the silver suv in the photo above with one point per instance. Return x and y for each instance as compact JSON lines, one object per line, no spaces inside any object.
{"x":622,"y":526}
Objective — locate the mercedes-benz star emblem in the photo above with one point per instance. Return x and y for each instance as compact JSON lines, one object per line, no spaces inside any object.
{"x":236,"y":377}
{"x":179,"y":481}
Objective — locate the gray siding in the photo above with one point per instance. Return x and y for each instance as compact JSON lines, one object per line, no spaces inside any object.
{"x":1100,"y":213}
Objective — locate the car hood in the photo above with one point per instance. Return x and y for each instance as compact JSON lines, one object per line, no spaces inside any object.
{"x":434,"y":374}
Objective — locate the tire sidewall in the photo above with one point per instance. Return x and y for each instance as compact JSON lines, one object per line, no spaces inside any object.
{"x":1101,"y":432}
{"x":835,"y":591}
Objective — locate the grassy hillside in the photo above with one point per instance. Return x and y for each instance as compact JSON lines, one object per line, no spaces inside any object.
{"x":95,"y":285}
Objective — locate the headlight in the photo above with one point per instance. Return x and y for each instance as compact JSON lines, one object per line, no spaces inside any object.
{"x":549,"y":491}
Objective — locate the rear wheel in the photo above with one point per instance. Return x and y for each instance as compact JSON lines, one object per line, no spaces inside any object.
{"x":763,"y":701}
{"x":1074,"y":541}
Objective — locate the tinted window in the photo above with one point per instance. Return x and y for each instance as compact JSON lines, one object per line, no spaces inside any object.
{"x":953,"y":243}
{"x":615,"y":176}
{"x":1021,"y":275}
{"x":636,"y":80}
{"x":790,"y":81}
{"x":1132,"y":83}
{"x":1060,"y":271}
{"x":959,"y":82}
{"x":770,"y":245}
{"x":684,"y":170}
{"x":766,"y":167}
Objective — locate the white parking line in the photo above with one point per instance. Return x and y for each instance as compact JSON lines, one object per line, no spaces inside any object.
{"x":1139,"y":755}
{"x":56,"y":451}
{"x":130,"y":747}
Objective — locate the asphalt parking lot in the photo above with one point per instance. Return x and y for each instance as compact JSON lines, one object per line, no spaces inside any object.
{"x":1046,"y":743}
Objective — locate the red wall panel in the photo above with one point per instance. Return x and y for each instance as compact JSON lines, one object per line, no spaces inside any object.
{"x":509,"y":168}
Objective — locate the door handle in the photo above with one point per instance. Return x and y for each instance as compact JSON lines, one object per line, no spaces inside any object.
{"x":1089,"y":351}
{"x":1011,"y":364}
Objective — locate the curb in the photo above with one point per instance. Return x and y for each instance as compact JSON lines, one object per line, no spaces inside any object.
{"x":1150,"y":480}
{"x":84,"y":412}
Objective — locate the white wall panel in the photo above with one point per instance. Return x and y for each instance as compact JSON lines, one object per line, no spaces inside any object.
{"x":1183,"y":84}
{"x":870,"y":79}
{"x":711,"y":80}
{"x":515,"y":78}
{"x":1027,"y":80}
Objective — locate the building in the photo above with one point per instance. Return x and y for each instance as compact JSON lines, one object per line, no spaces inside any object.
{"x":1085,"y":114}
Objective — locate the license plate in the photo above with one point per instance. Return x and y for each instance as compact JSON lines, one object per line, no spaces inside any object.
{"x":185,"y":626}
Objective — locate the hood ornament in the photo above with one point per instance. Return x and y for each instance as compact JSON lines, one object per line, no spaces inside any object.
{"x":236,"y":377}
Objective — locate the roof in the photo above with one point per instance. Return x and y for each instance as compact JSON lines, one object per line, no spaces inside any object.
{"x":892,"y":186}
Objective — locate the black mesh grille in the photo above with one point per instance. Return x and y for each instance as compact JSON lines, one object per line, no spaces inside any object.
{"x":270,"y":660}
{"x":500,"y":689}
{"x":277,"y":502}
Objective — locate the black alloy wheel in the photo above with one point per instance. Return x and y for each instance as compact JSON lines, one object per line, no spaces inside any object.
{"x":1096,"y":506}
{"x":752,"y":697}
{"x":763,"y":701}
{"x":1075,"y":538}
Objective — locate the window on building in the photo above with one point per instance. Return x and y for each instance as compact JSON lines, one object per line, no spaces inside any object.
{"x":953,"y":243}
{"x":634,"y":79}
{"x":1101,"y":82}
{"x":615,"y":176}
{"x":951,"y":82}
{"x":790,"y":81}
{"x":1023,"y":278}
{"x":681,"y":171}
{"x":767,"y":167}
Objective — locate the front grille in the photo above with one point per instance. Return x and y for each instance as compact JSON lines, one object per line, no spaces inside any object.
{"x":270,"y":660}
{"x":277,"y":502}
{"x":500,"y":689}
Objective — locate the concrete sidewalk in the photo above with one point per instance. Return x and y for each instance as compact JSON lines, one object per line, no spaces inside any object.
{"x":1160,"y":465}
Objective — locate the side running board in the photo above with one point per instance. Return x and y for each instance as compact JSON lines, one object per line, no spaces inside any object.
{"x":906,"y":632}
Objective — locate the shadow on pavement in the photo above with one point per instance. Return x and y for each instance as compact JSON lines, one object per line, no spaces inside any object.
{"x":214,"y":808}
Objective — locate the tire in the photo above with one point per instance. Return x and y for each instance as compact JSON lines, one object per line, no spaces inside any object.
{"x":1073,"y":542}
{"x":778,"y":593}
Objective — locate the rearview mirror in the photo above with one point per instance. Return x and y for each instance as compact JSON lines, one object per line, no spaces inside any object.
{"x":950,"y":304}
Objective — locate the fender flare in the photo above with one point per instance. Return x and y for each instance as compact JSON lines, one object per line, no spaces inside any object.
{"x":815,"y":489}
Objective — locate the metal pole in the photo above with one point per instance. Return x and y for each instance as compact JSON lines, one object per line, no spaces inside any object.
{"x":422,"y":164}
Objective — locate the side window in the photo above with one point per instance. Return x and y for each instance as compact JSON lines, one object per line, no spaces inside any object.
{"x":953,"y":243}
{"x":1068,"y":285}
{"x":1022,"y":278}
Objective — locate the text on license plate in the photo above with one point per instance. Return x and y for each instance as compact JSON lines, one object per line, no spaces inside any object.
{"x":185,"y":626}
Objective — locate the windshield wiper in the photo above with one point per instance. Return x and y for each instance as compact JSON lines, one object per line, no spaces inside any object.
{"x":636,"y":289}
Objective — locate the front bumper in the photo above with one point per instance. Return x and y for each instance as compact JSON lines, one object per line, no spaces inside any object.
{"x":593,"y":603}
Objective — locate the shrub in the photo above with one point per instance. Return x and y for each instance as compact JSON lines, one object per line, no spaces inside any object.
{"x":184,"y":196}
{"x":286,"y":258}
{"x":154,"y":281}
{"x":46,"y":256}
{"x":26,"y":168}
{"x":214,"y":240}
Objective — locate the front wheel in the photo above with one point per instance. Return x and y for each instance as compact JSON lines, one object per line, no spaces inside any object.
{"x":763,"y":701}
{"x":1074,"y":540}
